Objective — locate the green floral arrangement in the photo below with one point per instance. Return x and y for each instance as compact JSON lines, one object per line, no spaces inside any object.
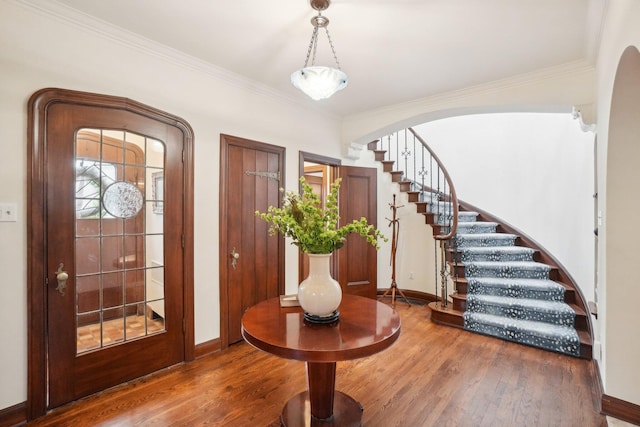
{"x":314,"y":229}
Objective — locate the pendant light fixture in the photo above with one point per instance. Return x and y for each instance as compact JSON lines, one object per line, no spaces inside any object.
{"x":319,"y":82}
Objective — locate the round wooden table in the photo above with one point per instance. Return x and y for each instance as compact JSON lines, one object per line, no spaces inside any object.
{"x":365,"y":327}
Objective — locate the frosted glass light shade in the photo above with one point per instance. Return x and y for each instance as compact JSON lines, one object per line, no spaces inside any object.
{"x":319,"y":82}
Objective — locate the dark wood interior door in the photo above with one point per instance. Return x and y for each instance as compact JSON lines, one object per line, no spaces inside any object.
{"x":251,"y":261}
{"x":115,"y":230}
{"x":357,"y":259}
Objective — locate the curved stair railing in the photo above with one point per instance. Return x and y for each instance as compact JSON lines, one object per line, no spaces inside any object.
{"x":420,"y":173}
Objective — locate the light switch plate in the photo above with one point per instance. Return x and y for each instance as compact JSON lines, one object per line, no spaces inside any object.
{"x":8,"y":212}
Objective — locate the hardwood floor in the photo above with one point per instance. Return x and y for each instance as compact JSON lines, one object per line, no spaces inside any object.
{"x":432,"y":376}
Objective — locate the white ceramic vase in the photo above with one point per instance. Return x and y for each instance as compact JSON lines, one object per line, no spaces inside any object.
{"x":319,"y":295}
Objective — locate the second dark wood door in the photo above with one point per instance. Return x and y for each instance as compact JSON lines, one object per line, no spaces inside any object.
{"x":251,"y":261}
{"x":357,"y":259}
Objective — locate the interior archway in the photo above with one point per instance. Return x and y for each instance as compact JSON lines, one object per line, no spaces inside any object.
{"x":622,"y":211}
{"x":428,"y":116}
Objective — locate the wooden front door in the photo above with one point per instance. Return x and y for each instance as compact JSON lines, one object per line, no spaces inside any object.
{"x":115,"y":220}
{"x":357,"y":259}
{"x":251,"y":261}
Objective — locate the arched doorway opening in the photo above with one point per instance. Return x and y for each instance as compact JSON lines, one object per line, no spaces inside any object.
{"x":622,"y":210}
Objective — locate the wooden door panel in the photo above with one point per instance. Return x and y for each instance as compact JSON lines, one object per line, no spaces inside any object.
{"x":267,"y":192}
{"x":233,"y":231}
{"x":251,"y":175}
{"x":61,"y":311}
{"x":273,"y":253}
{"x":357,"y":260}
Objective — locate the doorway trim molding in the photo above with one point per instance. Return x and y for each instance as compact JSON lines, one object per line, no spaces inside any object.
{"x":315,"y":158}
{"x":37,"y":227}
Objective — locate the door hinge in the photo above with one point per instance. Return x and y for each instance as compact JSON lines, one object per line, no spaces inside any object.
{"x":183,"y":241}
{"x":270,"y":175}
{"x":46,"y":281}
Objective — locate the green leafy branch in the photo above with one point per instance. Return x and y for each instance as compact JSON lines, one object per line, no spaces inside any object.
{"x":313,"y":229}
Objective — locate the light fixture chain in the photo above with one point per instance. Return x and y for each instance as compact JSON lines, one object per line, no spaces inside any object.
{"x":335,"y":57}
{"x":312,"y":44}
{"x":315,"y":48}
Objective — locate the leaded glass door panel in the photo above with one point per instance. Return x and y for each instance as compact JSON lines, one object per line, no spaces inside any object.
{"x":119,"y":263}
{"x":115,"y":222}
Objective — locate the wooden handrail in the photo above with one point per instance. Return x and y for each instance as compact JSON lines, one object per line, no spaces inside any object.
{"x":453,"y":196}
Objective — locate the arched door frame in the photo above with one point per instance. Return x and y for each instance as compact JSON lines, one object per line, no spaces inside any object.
{"x":619,"y":295}
{"x":36,"y":229}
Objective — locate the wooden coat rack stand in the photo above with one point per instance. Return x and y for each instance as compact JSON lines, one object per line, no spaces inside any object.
{"x":395,"y":224}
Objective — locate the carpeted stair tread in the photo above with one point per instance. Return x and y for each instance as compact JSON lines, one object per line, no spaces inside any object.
{"x":554,"y":312}
{"x":478,"y":236}
{"x":444,"y":218}
{"x":467,"y":216}
{"x":499,"y":248}
{"x":428,"y":196}
{"x":516,"y":269}
{"x":516,"y":288}
{"x":476,"y":227}
{"x":440,"y":206}
{"x":496,"y":253}
{"x":561,"y":339}
{"x":484,"y":239}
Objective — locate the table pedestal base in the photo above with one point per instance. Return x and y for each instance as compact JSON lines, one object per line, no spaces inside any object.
{"x":347,"y":412}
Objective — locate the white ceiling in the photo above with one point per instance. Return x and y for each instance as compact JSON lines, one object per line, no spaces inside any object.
{"x":392,"y":50}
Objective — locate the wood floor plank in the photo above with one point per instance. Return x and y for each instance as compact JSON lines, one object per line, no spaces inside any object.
{"x":432,"y":376}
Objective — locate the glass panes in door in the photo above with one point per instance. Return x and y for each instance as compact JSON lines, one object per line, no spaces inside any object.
{"x":119,"y":265}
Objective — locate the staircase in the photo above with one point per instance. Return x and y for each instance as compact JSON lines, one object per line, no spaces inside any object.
{"x":504,"y":284}
{"x":504,"y":290}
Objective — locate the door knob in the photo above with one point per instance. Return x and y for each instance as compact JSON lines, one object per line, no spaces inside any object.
{"x":234,"y":257}
{"x":61,"y":277}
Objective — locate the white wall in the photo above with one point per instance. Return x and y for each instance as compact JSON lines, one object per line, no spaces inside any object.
{"x":618,"y":296}
{"x":37,"y":50}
